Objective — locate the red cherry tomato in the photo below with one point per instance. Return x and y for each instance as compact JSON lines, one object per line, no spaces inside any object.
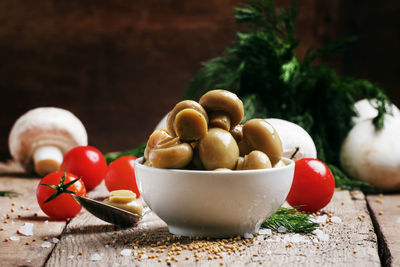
{"x":313,"y":185}
{"x":86,"y":162}
{"x":121,"y":175}
{"x":62,"y":206}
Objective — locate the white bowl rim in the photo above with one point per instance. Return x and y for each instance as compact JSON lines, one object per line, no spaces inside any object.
{"x":289,"y":163}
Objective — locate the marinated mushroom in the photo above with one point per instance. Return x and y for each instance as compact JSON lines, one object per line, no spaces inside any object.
{"x":157,"y":137}
{"x":188,"y":120}
{"x":237,"y":133}
{"x":225,"y":110}
{"x":253,"y":161}
{"x":258,"y":134}
{"x":169,"y":153}
{"x":218,"y":149}
{"x":41,"y":137}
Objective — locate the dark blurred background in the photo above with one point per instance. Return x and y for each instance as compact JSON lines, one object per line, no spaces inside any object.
{"x":121,"y":65}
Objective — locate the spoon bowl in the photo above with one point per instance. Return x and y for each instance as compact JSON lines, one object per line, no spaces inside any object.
{"x":107,"y":212}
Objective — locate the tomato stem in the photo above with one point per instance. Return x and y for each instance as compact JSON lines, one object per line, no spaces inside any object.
{"x":60,"y":188}
{"x":295,"y":152}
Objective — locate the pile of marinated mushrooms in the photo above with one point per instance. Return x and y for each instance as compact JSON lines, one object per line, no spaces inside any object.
{"x":207,"y":135}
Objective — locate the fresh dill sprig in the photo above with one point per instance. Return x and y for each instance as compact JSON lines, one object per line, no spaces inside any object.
{"x":8,"y":193}
{"x":136,"y":152}
{"x":293,"y":221}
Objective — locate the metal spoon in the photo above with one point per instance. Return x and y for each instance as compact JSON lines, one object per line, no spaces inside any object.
{"x":107,"y":212}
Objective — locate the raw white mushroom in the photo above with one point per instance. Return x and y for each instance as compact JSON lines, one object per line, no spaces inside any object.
{"x":292,"y":136}
{"x":366,"y":111}
{"x":40,"y":138}
{"x":373,"y":155}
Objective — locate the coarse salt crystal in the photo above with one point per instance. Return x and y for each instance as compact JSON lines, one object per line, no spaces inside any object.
{"x":126,"y":252}
{"x":320,"y":219}
{"x":265,"y":232}
{"x":46,"y":244}
{"x":46,"y":221}
{"x":144,"y":256}
{"x":248,"y":235}
{"x":296,"y":238}
{"x":14,"y":238}
{"x":96,"y":256}
{"x":55,"y":240}
{"x":321,"y":235}
{"x":282,"y":229}
{"x":26,"y":229}
{"x":107,"y":246}
{"x":336,"y":219}
{"x":71,"y":256}
{"x":260,"y":238}
{"x":269,"y":252}
{"x":28,"y":261}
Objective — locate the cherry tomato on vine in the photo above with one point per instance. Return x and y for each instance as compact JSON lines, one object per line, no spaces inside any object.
{"x":54,"y":194}
{"x":313,"y":185}
{"x":121,"y":175}
{"x":86,"y":162}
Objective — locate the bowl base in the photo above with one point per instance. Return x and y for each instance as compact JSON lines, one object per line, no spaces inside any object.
{"x":210,"y":232}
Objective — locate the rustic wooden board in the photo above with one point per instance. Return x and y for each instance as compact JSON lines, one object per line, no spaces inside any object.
{"x":385,"y":210}
{"x":28,"y":250}
{"x":351,"y":242}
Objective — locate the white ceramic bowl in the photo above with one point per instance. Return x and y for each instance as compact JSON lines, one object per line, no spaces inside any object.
{"x":214,"y":203}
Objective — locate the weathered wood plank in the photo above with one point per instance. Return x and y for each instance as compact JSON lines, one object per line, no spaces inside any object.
{"x":385,"y":211}
{"x":351,"y":242}
{"x":28,"y":250}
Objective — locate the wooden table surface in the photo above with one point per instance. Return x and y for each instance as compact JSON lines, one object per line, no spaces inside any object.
{"x":365,"y":231}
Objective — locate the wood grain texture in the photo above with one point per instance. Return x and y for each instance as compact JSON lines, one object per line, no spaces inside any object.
{"x":386,"y":211}
{"x":352,"y":242}
{"x":28,"y":250}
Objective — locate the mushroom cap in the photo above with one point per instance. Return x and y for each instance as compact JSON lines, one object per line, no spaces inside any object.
{"x":255,"y":160}
{"x":45,"y":126}
{"x":218,"y":149}
{"x":261,"y":135}
{"x":185,"y":104}
{"x":222,"y":100}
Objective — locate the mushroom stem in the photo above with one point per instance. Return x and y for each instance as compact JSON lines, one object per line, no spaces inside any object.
{"x":47,"y":159}
{"x":220,"y":120}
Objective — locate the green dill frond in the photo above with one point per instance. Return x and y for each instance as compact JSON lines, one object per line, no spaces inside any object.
{"x":8,"y":194}
{"x":135,"y":152}
{"x":293,"y":221}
